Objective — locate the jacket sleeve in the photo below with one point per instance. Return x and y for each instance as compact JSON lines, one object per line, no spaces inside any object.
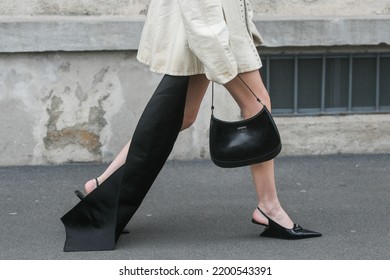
{"x":208,"y":37}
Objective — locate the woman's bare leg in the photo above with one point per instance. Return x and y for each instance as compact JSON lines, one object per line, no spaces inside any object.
{"x":262,"y":173}
{"x":196,"y":90}
{"x":115,"y":164}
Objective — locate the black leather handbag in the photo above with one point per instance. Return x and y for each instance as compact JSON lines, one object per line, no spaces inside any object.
{"x":245,"y":142}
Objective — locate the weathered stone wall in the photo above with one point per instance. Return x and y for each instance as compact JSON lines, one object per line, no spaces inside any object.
{"x":65,"y":107}
{"x":72,"y":90}
{"x":321,"y":7}
{"x":136,"y":7}
{"x":73,"y":7}
{"x":60,"y":107}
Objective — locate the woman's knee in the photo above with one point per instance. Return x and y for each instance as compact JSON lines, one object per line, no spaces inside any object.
{"x":252,"y":106}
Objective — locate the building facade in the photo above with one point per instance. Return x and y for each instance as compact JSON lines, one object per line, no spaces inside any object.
{"x":71,"y":89}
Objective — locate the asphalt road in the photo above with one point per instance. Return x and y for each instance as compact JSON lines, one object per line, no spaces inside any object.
{"x":196,"y":210}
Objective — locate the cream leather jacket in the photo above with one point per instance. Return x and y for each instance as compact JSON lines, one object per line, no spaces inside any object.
{"x":188,"y":37}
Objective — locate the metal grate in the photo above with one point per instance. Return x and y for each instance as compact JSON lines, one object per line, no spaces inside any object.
{"x":328,"y":84}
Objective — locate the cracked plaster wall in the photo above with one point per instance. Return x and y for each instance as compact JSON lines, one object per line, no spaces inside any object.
{"x":77,"y":107}
{"x":136,"y":7}
{"x":64,"y":107}
{"x":73,"y":7}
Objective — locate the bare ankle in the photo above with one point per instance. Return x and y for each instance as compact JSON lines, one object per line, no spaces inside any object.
{"x":270,"y":206}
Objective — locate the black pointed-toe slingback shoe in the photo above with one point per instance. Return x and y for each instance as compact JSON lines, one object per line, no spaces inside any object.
{"x":277,"y":231}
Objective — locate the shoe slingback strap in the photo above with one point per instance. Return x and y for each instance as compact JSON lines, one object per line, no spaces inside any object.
{"x":296,"y":226}
{"x":258,"y":208}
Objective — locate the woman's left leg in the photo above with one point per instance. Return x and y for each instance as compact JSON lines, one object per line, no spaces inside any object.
{"x":114,"y":165}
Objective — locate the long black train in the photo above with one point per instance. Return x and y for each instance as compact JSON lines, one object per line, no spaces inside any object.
{"x":98,"y":220}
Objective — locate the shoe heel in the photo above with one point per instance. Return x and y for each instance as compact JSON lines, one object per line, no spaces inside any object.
{"x":79,"y":194}
{"x":268,"y":232}
{"x":257,"y":223}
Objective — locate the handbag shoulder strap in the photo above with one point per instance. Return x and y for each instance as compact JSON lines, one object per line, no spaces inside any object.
{"x":212,"y":95}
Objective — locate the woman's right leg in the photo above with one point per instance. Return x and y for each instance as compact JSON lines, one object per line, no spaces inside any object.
{"x":196,"y":90}
{"x":262,"y":173}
